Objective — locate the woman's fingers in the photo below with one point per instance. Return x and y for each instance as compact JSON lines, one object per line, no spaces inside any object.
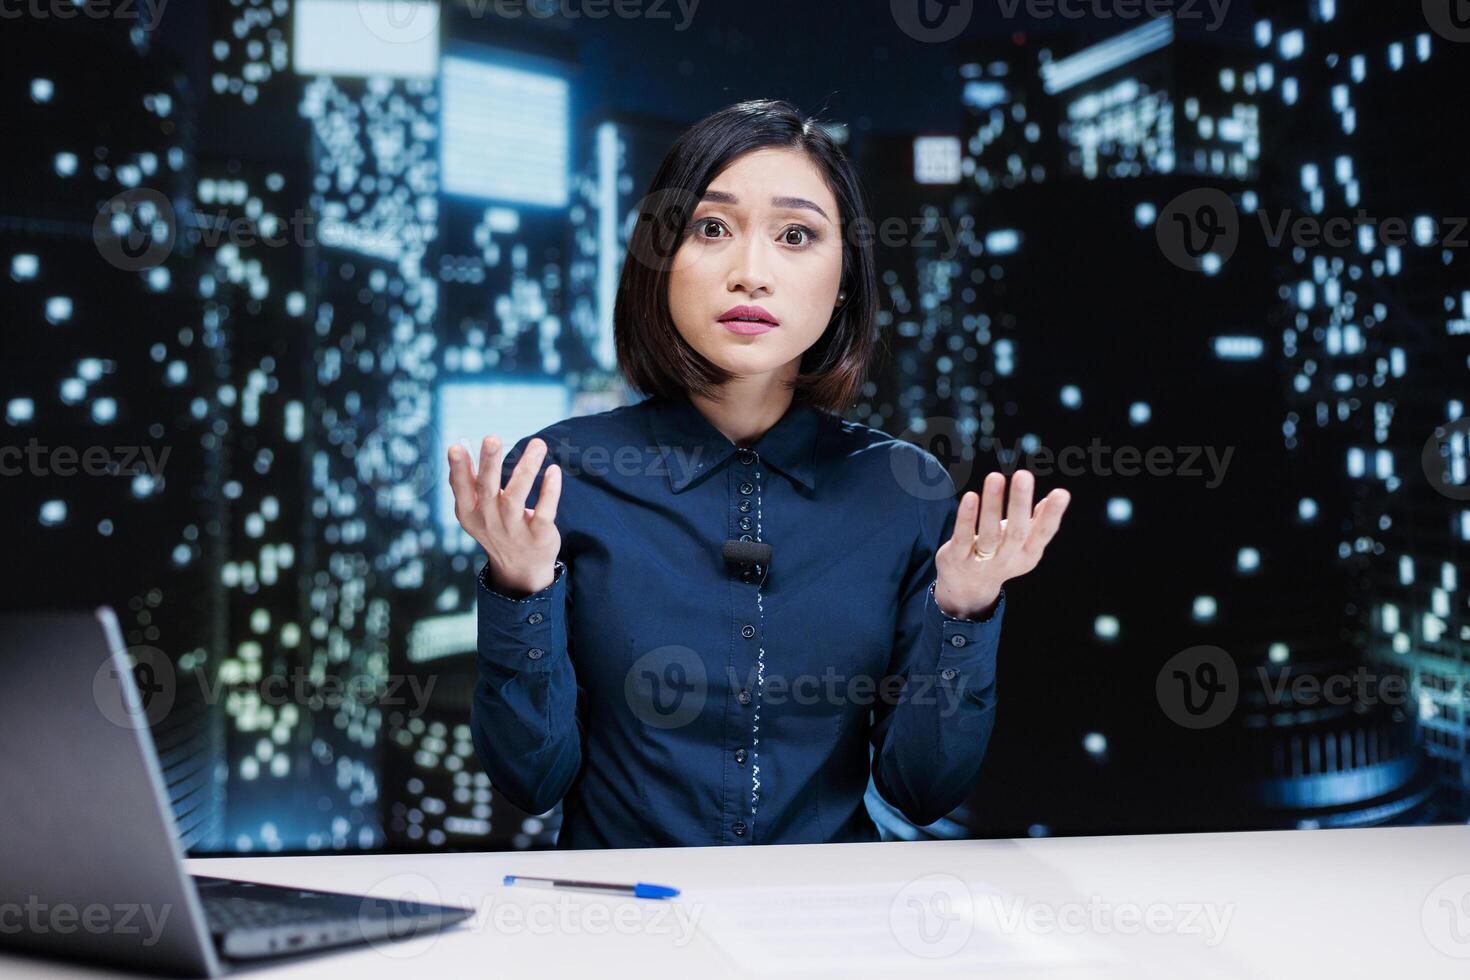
{"x":488,"y":480}
{"x":545,"y":514}
{"x":523,"y":476}
{"x":964,"y":520}
{"x":988,"y":531}
{"x":1048,"y":519}
{"x":1018,"y":511}
{"x":462,"y":482}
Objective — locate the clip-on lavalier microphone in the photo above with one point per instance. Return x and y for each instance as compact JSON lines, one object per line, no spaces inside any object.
{"x":751,"y":555}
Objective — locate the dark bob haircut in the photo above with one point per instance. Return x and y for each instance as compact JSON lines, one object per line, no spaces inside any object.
{"x":652,"y":356}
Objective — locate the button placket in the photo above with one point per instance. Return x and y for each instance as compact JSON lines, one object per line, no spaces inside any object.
{"x":745,"y":483}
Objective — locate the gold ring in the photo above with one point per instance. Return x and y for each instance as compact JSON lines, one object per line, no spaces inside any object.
{"x":979,"y":555}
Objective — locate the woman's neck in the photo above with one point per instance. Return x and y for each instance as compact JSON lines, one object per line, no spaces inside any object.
{"x":746,"y":408}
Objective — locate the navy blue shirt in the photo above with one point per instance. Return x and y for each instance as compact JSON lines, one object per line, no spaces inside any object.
{"x":670,"y":696}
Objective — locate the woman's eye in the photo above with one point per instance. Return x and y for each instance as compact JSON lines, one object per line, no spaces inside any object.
{"x":806,"y":235}
{"x":798,"y":236}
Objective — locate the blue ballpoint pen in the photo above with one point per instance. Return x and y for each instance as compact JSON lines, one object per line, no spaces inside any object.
{"x":637,"y":890}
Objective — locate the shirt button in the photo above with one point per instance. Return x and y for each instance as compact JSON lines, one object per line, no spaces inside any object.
{"x":747,"y":631}
{"x":948,"y":673}
{"x":745,"y":456}
{"x":747,"y":488}
{"x":746,"y":537}
{"x":739,"y":828}
{"x":743,"y":697}
{"x":534,"y":618}
{"x":535,"y":653}
{"x":745,"y":506}
{"x":746,"y":524}
{"x":747,"y":576}
{"x":957,"y":640}
{"x":740,"y":755}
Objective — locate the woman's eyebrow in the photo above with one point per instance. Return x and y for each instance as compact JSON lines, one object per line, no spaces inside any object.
{"x":722,"y":197}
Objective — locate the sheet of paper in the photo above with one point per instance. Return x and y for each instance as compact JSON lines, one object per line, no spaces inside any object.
{"x":935,"y":923}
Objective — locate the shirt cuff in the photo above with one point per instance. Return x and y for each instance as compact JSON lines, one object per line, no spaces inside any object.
{"x":967,"y":646}
{"x":522,"y":634}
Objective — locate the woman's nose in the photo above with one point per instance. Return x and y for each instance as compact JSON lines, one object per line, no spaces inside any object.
{"x":752,"y":267}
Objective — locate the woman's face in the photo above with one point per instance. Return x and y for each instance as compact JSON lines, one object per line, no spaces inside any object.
{"x":766,"y":234}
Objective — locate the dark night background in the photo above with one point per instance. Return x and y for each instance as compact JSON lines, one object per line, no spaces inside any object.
{"x":304,"y":391}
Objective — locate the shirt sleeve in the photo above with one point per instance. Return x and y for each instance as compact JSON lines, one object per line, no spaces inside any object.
{"x":526,"y":716}
{"x":929,"y":740}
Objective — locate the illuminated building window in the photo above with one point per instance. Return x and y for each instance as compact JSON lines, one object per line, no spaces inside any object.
{"x":1205,"y":608}
{"x":468,"y":411}
{"x":19,"y":410}
{"x":1120,"y":510}
{"x":24,"y":267}
{"x":505,"y":133}
{"x":381,"y":38}
{"x":937,"y":160}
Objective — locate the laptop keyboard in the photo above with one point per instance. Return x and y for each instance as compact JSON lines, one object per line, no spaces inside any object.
{"x":249,"y":920}
{"x":241,"y":905}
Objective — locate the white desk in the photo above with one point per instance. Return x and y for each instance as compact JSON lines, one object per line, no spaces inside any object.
{"x":1326,"y":903}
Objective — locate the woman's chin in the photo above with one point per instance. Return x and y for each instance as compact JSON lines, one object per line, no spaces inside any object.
{"x":746,"y":362}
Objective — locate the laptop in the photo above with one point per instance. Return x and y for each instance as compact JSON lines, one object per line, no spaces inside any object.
{"x":90,"y":864}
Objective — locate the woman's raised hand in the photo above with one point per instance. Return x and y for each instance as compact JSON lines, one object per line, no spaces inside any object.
{"x":1010,"y":546}
{"x":522,"y":543}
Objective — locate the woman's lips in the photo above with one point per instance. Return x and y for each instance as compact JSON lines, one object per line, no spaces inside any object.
{"x":746,"y":328}
{"x":747,"y":319}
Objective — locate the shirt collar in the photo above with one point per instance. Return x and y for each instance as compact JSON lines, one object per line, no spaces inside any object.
{"x":692,"y":447}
